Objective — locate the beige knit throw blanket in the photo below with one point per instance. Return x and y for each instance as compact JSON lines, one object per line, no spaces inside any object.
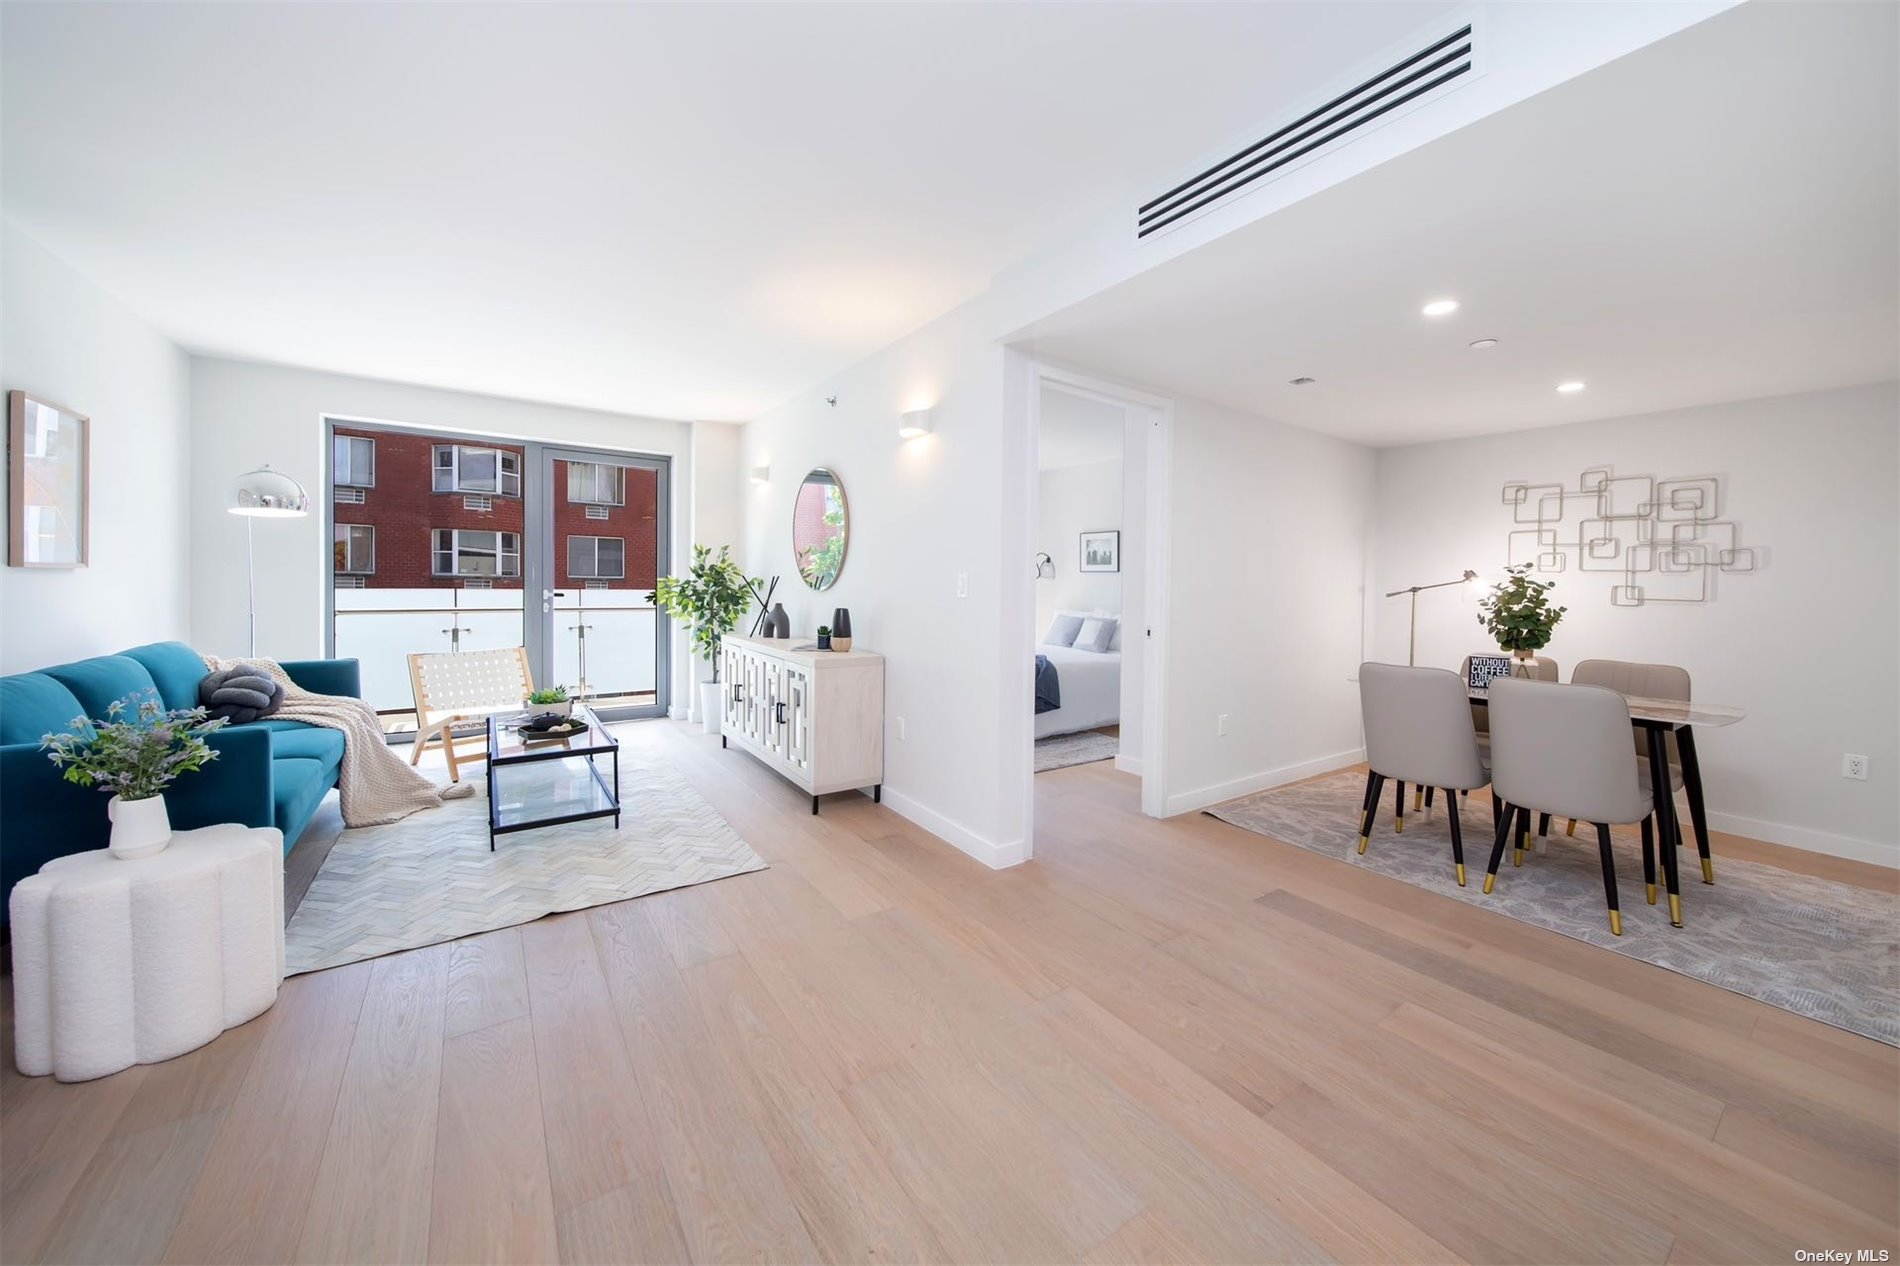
{"x":376,"y":785}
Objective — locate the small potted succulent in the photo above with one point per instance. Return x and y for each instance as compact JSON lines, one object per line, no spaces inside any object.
{"x":824,"y":637}
{"x":551,"y":701}
{"x":134,"y":754}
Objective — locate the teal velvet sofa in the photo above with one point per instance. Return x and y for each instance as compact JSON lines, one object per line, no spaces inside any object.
{"x":268,"y":773}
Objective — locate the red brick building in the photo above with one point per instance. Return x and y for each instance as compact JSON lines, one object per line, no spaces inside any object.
{"x":423,"y":512}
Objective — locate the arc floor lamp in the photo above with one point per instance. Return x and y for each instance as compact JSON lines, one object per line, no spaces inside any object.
{"x":1411,"y":649}
{"x":262,"y":494}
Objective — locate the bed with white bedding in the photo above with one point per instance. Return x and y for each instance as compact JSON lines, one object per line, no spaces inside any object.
{"x":1091,"y":684}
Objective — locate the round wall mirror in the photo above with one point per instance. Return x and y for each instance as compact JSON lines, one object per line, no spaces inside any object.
{"x":820,"y":526}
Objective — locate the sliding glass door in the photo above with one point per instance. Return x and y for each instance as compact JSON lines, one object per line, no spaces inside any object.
{"x":459,"y":543}
{"x":603,"y":519}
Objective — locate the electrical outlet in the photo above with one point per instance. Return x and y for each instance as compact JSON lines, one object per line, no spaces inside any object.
{"x":963,"y":584}
{"x":901,"y":736}
{"x":1854,"y":767}
{"x":1220,"y":724}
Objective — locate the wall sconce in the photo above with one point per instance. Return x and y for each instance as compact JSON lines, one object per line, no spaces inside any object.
{"x":761,"y":474}
{"x":1045,"y":567}
{"x":915,"y":423}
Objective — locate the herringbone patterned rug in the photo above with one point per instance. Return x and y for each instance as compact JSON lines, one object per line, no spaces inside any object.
{"x":430,"y":877}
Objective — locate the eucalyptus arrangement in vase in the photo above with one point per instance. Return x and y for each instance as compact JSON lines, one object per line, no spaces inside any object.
{"x":134,"y":754}
{"x":1517,"y":612}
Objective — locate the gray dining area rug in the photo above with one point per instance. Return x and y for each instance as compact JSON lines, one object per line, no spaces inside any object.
{"x":431,"y":878}
{"x":1821,"y":949}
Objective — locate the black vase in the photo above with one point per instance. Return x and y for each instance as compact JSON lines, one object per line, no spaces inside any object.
{"x":841,"y":629}
{"x":781,"y":622}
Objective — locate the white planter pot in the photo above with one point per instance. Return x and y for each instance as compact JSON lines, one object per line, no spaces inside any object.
{"x":709,"y":706}
{"x":565,"y":708}
{"x":140,"y":828}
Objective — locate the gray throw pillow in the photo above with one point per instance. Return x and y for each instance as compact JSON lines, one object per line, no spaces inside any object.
{"x":1062,"y":630}
{"x":1096,"y":635}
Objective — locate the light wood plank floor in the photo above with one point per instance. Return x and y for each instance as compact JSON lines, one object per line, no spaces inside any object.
{"x":1157,"y":1042}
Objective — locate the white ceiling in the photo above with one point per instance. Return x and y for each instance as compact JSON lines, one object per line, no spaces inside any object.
{"x":684,"y":210}
{"x":1077,"y":431}
{"x":1710,"y":218}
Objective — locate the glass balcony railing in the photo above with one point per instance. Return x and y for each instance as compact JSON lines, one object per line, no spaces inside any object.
{"x":604,"y":640}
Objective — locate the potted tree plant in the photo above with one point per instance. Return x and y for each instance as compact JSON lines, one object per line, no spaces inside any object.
{"x":710,"y":598}
{"x":134,"y":754}
{"x":1517,"y":612}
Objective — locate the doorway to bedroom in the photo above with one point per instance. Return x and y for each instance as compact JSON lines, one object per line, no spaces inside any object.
{"x":1087,"y":549}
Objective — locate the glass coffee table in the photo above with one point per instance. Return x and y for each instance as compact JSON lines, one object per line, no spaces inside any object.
{"x":525,"y":793}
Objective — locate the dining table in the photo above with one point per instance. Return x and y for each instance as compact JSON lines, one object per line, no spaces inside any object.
{"x":1659,"y":718}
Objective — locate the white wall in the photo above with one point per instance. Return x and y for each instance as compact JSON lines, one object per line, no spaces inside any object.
{"x":922,"y":513}
{"x":1072,"y":500}
{"x":1806,"y":645}
{"x":244,"y":414}
{"x":65,"y":340}
{"x":1267,"y":545}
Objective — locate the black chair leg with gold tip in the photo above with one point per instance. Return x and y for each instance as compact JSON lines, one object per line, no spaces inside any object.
{"x":1571,"y":827}
{"x":1609,"y":878}
{"x":1398,"y":810}
{"x":1373,"y":790}
{"x":1428,"y":797}
{"x":1506,"y":817}
{"x":1522,"y":831}
{"x":1698,"y":812}
{"x":1457,"y":835}
{"x":1543,"y":825}
{"x":1649,"y":860}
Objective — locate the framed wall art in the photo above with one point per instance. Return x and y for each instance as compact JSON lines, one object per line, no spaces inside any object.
{"x":48,"y":483}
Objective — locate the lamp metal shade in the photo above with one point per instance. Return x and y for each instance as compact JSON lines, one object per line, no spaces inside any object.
{"x":265,"y":493}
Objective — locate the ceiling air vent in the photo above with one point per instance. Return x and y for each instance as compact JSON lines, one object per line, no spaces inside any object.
{"x":1431,"y":67}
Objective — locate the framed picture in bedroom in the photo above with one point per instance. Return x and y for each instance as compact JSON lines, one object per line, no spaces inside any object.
{"x":48,"y":483}
{"x":1101,"y":551}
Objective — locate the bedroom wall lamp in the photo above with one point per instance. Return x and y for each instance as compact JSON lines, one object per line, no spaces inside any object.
{"x":915,"y":423}
{"x":761,"y":474}
{"x":1045,"y":567}
{"x":1411,"y":649}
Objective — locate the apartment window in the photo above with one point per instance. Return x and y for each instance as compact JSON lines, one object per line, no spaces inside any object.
{"x":355,"y":549}
{"x":596,"y":557}
{"x":596,"y":484}
{"x":462,"y":553}
{"x":354,"y":459}
{"x":467,"y":468}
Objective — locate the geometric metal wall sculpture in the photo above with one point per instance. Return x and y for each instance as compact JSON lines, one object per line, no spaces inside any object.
{"x":1665,"y":538}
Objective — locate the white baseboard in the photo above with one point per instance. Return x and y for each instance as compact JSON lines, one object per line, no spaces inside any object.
{"x":1202,"y":797}
{"x":676,"y":712}
{"x":1800,"y":837}
{"x":954,"y":833}
{"x":1129,"y":765}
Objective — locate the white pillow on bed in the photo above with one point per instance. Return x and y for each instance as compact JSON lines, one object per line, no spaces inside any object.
{"x":1062,"y":629}
{"x":1098,"y":635}
{"x":1099,"y":614}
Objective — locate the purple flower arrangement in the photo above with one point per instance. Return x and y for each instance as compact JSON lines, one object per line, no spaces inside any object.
{"x":137,"y":751}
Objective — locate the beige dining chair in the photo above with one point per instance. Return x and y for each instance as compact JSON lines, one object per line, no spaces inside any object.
{"x":1647,"y":681}
{"x":1565,"y":749}
{"x":1540,"y":668}
{"x":1418,"y":730}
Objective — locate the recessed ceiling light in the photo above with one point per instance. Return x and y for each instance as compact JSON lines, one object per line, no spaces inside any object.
{"x":1570,"y":388}
{"x":1301,"y":381}
{"x":1440,"y":307}
{"x":1482,"y":344}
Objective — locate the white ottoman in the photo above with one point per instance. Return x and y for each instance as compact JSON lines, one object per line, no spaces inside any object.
{"x":118,"y":963}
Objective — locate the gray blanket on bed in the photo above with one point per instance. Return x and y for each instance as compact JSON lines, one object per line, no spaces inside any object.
{"x":1048,"y":686}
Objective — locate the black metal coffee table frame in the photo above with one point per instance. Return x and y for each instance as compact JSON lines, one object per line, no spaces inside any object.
{"x":553,"y":749}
